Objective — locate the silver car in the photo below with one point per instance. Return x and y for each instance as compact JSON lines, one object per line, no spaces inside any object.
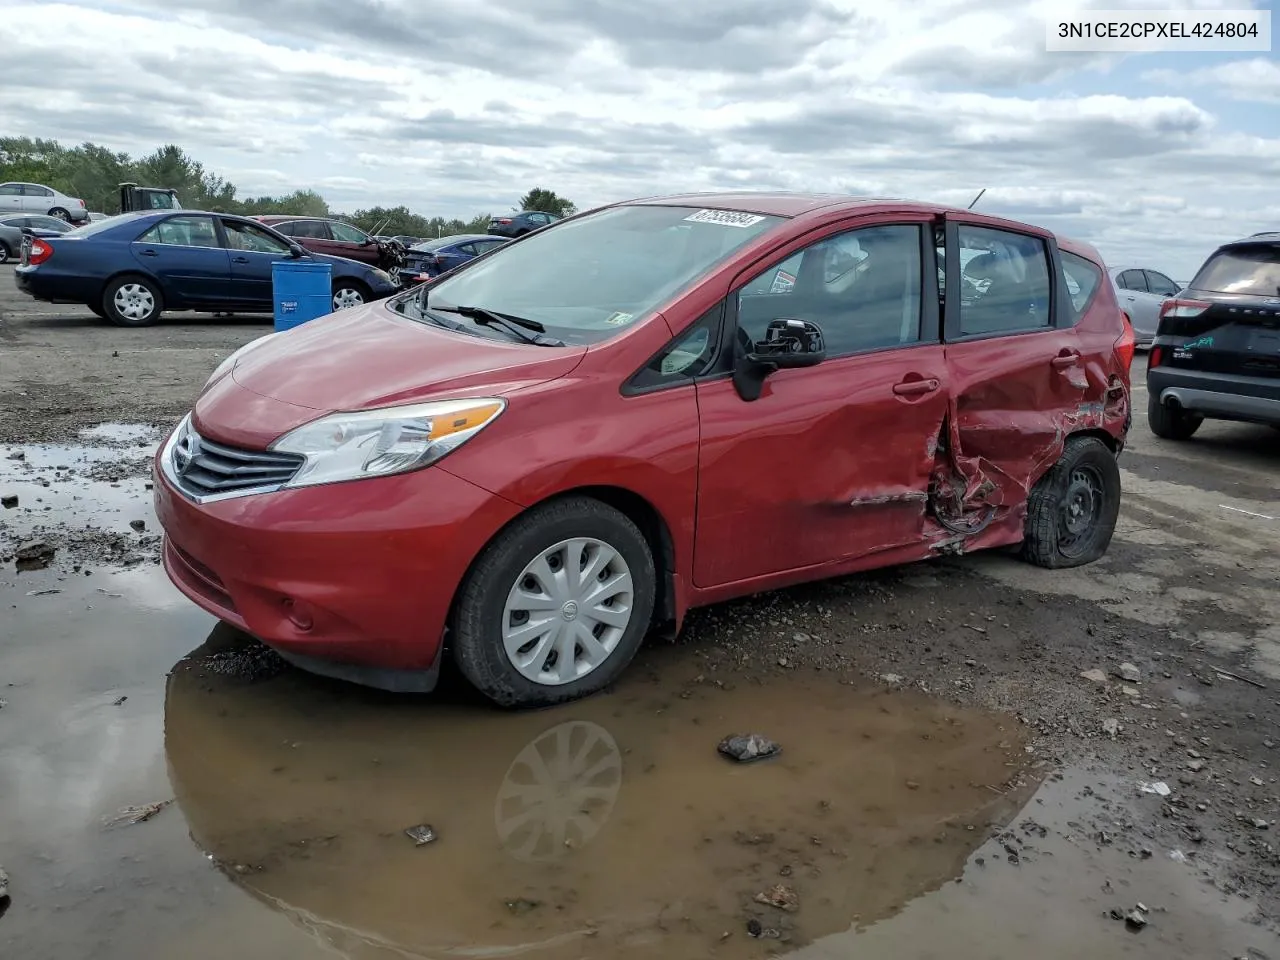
{"x":10,"y":243}
{"x":36,"y":198}
{"x":1141,"y":291}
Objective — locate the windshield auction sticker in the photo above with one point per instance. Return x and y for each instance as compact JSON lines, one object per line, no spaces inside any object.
{"x":725,"y":218}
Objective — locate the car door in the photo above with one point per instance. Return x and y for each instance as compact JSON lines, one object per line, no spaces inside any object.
{"x":831,"y":461}
{"x":1160,"y":288}
{"x":186,"y":255}
{"x":10,"y":198}
{"x":353,"y":243}
{"x":253,"y":249}
{"x":1139,"y":303}
{"x":1014,"y":360}
{"x":36,"y":199}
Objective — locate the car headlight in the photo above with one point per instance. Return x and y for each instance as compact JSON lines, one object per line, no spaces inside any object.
{"x":374,"y":443}
{"x":225,"y":366}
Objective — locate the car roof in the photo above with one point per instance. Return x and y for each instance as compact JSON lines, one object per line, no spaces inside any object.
{"x":1267,"y":236}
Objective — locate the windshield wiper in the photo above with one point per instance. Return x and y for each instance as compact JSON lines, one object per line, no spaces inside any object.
{"x":509,"y":322}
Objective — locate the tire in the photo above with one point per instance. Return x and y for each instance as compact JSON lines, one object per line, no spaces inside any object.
{"x":1171,"y":424}
{"x":489,"y":604}
{"x":133,"y":292}
{"x":5,"y":252}
{"x":1087,"y":479}
{"x":349,"y":293}
{"x":60,"y":214}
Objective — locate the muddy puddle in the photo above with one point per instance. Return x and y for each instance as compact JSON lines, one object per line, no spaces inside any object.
{"x":897,"y":826}
{"x":101,"y":481}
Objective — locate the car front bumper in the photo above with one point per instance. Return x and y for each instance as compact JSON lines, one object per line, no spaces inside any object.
{"x":353,"y":580}
{"x":1215,"y":395}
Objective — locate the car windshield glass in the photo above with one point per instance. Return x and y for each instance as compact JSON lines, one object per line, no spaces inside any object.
{"x":585,"y":279}
{"x":1252,"y":271}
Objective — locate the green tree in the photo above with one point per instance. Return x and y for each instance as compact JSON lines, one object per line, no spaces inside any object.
{"x":547,"y":202}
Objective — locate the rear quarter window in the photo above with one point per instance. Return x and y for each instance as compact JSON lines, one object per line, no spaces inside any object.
{"x":1082,"y":278}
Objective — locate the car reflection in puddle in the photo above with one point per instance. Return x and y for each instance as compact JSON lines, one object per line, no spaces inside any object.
{"x":608,"y":827}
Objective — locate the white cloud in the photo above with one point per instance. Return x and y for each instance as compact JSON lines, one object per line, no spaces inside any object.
{"x":1255,"y":80}
{"x":460,"y":108}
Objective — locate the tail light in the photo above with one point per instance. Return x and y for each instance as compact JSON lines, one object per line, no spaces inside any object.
{"x":81,"y":202}
{"x":1155,"y":357}
{"x":1127,"y":342}
{"x":1183,"y":309}
{"x":39,"y":253}
{"x":504,"y":220}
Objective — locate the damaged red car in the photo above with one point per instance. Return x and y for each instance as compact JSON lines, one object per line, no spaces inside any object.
{"x":524,"y":468}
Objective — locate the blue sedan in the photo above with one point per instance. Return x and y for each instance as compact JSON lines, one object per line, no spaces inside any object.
{"x":130,"y":268}
{"x":434,"y":257}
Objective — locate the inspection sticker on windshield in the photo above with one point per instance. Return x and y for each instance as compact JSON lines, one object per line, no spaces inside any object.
{"x":618,"y":319}
{"x":726,"y":218}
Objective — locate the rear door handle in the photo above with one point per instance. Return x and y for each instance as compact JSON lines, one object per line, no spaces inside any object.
{"x":1065,"y":360}
{"x":148,"y":253}
{"x":914,"y":388}
{"x":1131,"y":298}
{"x":239,"y":259}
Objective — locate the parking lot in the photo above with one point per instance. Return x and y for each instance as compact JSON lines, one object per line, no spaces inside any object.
{"x":950,"y":784}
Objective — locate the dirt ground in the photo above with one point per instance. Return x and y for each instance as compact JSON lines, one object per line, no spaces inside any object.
{"x":951,"y":784}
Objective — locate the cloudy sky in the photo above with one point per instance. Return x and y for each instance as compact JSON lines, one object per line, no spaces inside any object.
{"x":459,"y":108}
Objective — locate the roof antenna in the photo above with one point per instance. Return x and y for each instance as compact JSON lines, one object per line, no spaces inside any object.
{"x":977,"y":198}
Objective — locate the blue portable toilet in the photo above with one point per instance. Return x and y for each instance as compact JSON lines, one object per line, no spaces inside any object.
{"x":302,"y":290}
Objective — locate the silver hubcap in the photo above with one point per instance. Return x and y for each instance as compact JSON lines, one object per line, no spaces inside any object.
{"x":558,"y":792}
{"x":134,"y":301}
{"x":346,"y":297}
{"x":567,"y":611}
{"x":394,"y":274}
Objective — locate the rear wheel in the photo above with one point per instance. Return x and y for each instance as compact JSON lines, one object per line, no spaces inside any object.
{"x":1072,"y":511}
{"x":60,"y":214}
{"x":132,"y":302}
{"x":1171,"y":423}
{"x":349,"y":293}
{"x":555,"y":608}
{"x":5,"y":252}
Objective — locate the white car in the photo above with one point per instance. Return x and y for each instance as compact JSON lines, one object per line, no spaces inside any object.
{"x":36,"y":198}
{"x":1141,"y":292}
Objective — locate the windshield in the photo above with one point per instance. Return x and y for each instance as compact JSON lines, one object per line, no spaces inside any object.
{"x":585,"y":279}
{"x":1252,"y":271}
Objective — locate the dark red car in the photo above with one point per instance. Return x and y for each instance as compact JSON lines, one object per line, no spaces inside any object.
{"x":338,"y":239}
{"x":563,"y":445}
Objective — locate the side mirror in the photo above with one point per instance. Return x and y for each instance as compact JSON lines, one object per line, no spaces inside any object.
{"x":296,"y":251}
{"x":786,"y":344}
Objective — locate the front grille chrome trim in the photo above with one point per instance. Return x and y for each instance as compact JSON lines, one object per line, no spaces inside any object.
{"x":221,"y":472}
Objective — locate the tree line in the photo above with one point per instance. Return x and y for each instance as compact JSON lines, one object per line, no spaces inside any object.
{"x":93,"y":173}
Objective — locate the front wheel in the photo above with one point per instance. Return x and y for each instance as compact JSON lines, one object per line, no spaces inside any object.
{"x":556,"y":607}
{"x":348,"y":293}
{"x":1170,"y":423}
{"x":1072,"y":510}
{"x":132,"y":302}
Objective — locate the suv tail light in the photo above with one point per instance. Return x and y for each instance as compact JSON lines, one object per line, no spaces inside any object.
{"x":1127,"y":342}
{"x":1183,"y":309}
{"x":39,"y":253}
{"x":1156,"y":355}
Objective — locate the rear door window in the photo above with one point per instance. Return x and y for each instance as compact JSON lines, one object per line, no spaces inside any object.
{"x":1005,"y":282}
{"x":1133,"y":280}
{"x":1252,"y":270}
{"x":183,"y":232}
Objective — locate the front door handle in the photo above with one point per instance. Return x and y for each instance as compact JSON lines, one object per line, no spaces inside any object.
{"x":239,"y":259}
{"x":148,"y":253}
{"x":1064,"y":360}
{"x":1131,"y":298}
{"x":914,"y":388}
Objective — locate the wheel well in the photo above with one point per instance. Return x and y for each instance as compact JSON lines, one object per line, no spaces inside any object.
{"x":129,"y":273}
{"x":355,"y":282}
{"x":1112,"y":444}
{"x":640,"y":512}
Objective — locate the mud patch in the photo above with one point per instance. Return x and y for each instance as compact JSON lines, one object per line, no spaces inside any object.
{"x":612,"y":822}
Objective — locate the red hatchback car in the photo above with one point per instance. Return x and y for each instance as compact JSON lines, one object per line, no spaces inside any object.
{"x":577,"y":437}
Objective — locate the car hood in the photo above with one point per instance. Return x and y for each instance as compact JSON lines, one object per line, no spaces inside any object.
{"x":364,"y":358}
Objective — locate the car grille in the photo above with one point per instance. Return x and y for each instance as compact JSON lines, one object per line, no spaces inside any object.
{"x":203,"y":468}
